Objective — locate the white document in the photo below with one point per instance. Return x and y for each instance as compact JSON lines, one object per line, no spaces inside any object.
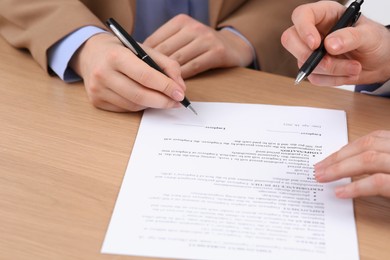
{"x":235,"y":182}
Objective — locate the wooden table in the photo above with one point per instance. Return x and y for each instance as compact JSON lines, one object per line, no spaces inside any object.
{"x":62,"y":160}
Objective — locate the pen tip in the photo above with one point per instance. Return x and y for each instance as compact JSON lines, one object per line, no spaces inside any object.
{"x":301,"y":76}
{"x":192,"y":109}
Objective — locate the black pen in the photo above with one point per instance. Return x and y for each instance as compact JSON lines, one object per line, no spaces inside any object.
{"x":350,"y":16}
{"x":130,"y":43}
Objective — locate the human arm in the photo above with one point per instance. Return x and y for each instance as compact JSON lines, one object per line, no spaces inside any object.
{"x":357,"y":55}
{"x":40,"y":24}
{"x":368,"y":158}
{"x":254,"y":20}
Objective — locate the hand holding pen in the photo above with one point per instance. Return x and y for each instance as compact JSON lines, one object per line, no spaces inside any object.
{"x":130,"y":43}
{"x":357,"y":54}
{"x":117,"y":80}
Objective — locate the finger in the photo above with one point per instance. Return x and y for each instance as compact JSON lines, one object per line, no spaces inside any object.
{"x":368,"y":162}
{"x":376,"y":184}
{"x":199,"y":64}
{"x":135,"y":95}
{"x":337,"y":66}
{"x":111,"y":97}
{"x":344,"y":40}
{"x":150,"y":78}
{"x":190,"y":52}
{"x":171,"y":68}
{"x":332,"y":81}
{"x":295,"y":45}
{"x":165,"y":31}
{"x":374,"y":141}
{"x":312,"y":20}
{"x":174,"y":43}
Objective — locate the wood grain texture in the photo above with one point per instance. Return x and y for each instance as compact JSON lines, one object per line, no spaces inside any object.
{"x":62,"y":160}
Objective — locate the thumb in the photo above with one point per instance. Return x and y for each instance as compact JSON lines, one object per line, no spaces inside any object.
{"x":343,"y":41}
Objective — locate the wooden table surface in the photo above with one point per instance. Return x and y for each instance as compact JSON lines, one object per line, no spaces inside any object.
{"x":62,"y":160}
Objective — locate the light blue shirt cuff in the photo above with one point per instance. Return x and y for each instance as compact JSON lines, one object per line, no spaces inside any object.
{"x":254,"y":64}
{"x":383,"y":91}
{"x":60,"y":53}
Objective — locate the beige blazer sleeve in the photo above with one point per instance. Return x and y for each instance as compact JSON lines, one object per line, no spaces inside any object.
{"x":38,"y":24}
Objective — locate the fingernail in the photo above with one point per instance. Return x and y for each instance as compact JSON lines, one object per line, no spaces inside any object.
{"x":310,"y":41}
{"x":177,"y":95}
{"x":335,"y":44}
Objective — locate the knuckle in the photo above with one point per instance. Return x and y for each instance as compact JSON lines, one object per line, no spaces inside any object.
{"x":167,"y":86}
{"x":369,"y":157}
{"x":94,"y":94}
{"x":298,"y":11}
{"x":137,"y":98}
{"x":174,"y":64}
{"x":378,"y":182}
{"x":94,"y":88}
{"x":97,"y":74}
{"x":182,"y":18}
{"x":143,"y":77}
{"x":177,"y":56}
{"x":220,"y":50}
{"x":208,"y":36}
{"x":195,"y":66}
{"x":164,"y":48}
{"x":284,"y":39}
{"x":367,"y":142}
{"x":201,"y":28}
{"x":112,"y":56}
{"x":295,"y":12}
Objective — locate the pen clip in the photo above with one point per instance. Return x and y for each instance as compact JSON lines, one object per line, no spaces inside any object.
{"x":356,"y":18}
{"x":123,"y":39}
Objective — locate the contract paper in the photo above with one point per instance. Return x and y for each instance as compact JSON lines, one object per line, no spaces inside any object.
{"x":235,"y":182}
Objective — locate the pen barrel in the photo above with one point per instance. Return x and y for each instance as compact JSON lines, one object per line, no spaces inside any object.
{"x":152,"y":63}
{"x":348,"y":18}
{"x":185,"y":102}
{"x":314,"y":59}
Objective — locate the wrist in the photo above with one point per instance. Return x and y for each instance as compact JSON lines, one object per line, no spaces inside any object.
{"x":86,"y":51}
{"x":243,"y":48}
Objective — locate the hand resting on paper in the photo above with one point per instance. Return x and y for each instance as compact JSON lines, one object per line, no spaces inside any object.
{"x":369,"y":157}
